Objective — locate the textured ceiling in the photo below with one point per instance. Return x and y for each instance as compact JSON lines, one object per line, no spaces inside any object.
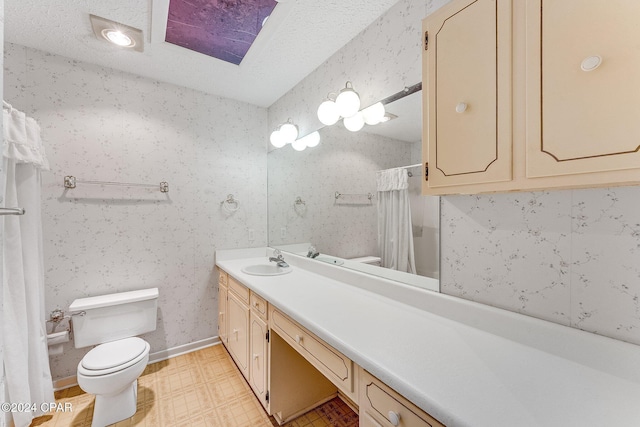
{"x":298,"y":37}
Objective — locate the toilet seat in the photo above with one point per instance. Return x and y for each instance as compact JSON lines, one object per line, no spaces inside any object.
{"x":113,"y":356}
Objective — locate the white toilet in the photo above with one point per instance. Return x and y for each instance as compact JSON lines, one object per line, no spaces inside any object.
{"x":111,"y":369}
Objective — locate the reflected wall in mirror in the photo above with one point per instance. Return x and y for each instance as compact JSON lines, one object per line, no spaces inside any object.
{"x":304,"y":209}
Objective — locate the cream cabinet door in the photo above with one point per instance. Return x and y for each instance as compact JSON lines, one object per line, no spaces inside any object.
{"x":367,"y":420}
{"x":238,"y":338}
{"x":222,"y":313}
{"x":583,"y":86}
{"x":467,"y":135}
{"x":258,"y":353}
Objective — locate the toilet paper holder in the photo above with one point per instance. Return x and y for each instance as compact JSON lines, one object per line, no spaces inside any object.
{"x":56,"y":317}
{"x":55,"y":338}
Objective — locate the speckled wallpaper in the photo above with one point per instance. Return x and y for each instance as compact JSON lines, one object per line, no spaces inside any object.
{"x":107,"y":125}
{"x":568,"y":256}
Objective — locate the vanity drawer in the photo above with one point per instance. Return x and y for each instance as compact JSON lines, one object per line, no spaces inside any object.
{"x":387,"y":407}
{"x":240,"y":290}
{"x":222,"y":277}
{"x":258,"y":305}
{"x":338,"y":368}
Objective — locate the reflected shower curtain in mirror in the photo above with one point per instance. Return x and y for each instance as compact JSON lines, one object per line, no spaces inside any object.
{"x":25,"y":355}
{"x":395,"y":237}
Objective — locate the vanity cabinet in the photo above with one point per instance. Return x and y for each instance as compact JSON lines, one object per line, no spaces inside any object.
{"x":467,"y":96}
{"x":381,"y":406}
{"x":531,"y":95}
{"x":238,"y":318}
{"x":291,"y":370}
{"x":333,"y":364}
{"x":258,"y":348}
{"x":583,"y":59}
{"x":222,"y":306}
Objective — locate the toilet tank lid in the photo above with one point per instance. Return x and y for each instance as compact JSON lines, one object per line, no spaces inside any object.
{"x":112,"y":299}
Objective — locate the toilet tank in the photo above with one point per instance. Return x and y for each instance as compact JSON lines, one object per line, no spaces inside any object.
{"x":113,"y":317}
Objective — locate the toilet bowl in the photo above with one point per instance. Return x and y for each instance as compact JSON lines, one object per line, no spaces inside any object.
{"x":111,"y":369}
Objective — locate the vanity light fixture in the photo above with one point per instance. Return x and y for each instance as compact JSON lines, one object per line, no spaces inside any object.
{"x":118,"y":34}
{"x":285,"y":134}
{"x":348,"y":101}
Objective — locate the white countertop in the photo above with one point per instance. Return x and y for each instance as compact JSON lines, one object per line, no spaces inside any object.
{"x":464,"y":363}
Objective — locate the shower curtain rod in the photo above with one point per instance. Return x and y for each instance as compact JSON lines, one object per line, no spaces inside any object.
{"x":405,"y":167}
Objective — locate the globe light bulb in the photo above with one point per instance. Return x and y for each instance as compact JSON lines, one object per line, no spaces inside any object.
{"x":373,"y":114}
{"x":276,"y":139}
{"x":348,"y":101}
{"x":299,"y":144}
{"x":328,"y":113}
{"x":288,"y":132}
{"x":312,"y":140}
{"x":354,"y":123}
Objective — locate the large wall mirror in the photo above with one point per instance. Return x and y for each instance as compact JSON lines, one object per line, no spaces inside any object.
{"x":326,"y":196}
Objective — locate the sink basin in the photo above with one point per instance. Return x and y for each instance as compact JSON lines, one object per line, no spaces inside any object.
{"x":265,"y":270}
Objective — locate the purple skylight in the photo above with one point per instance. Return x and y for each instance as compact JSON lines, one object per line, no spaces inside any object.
{"x":224,"y":29}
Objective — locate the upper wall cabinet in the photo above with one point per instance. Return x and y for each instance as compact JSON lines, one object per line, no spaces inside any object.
{"x":535,"y":94}
{"x":583,"y":59}
{"x":467,"y":67}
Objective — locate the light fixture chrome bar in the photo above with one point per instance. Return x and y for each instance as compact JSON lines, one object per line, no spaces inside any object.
{"x":71,"y":181}
{"x":408,"y":90}
{"x":12,"y":211}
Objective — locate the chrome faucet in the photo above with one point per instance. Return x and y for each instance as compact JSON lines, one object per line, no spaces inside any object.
{"x":278,"y":259}
{"x":312,"y":253}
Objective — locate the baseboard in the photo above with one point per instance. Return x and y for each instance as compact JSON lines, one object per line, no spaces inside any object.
{"x":183,"y":349}
{"x":158,"y":356}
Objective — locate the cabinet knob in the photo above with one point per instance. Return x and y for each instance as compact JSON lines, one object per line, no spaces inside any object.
{"x":255,"y":356}
{"x":394,"y":418}
{"x":461,"y":107}
{"x":255,"y":304}
{"x":590,"y":63}
{"x":298,"y":339}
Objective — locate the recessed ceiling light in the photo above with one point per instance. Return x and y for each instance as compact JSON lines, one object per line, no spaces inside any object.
{"x":119,"y":34}
{"x":118,"y":37}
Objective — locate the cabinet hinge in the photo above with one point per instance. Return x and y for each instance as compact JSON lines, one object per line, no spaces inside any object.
{"x":426,"y":171}
{"x":267,"y":336}
{"x":426,"y":40}
{"x":266,"y":397}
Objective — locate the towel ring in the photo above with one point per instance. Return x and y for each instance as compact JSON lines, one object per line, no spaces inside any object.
{"x":230,"y":204}
{"x":300,"y":206}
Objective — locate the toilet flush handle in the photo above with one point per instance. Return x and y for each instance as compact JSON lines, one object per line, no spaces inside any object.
{"x":79,"y":313}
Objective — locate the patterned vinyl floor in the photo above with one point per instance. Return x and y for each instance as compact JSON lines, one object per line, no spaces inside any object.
{"x":203,"y":388}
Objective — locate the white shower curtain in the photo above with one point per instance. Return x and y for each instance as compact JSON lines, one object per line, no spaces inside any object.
{"x":395,"y":237}
{"x":26,"y":359}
